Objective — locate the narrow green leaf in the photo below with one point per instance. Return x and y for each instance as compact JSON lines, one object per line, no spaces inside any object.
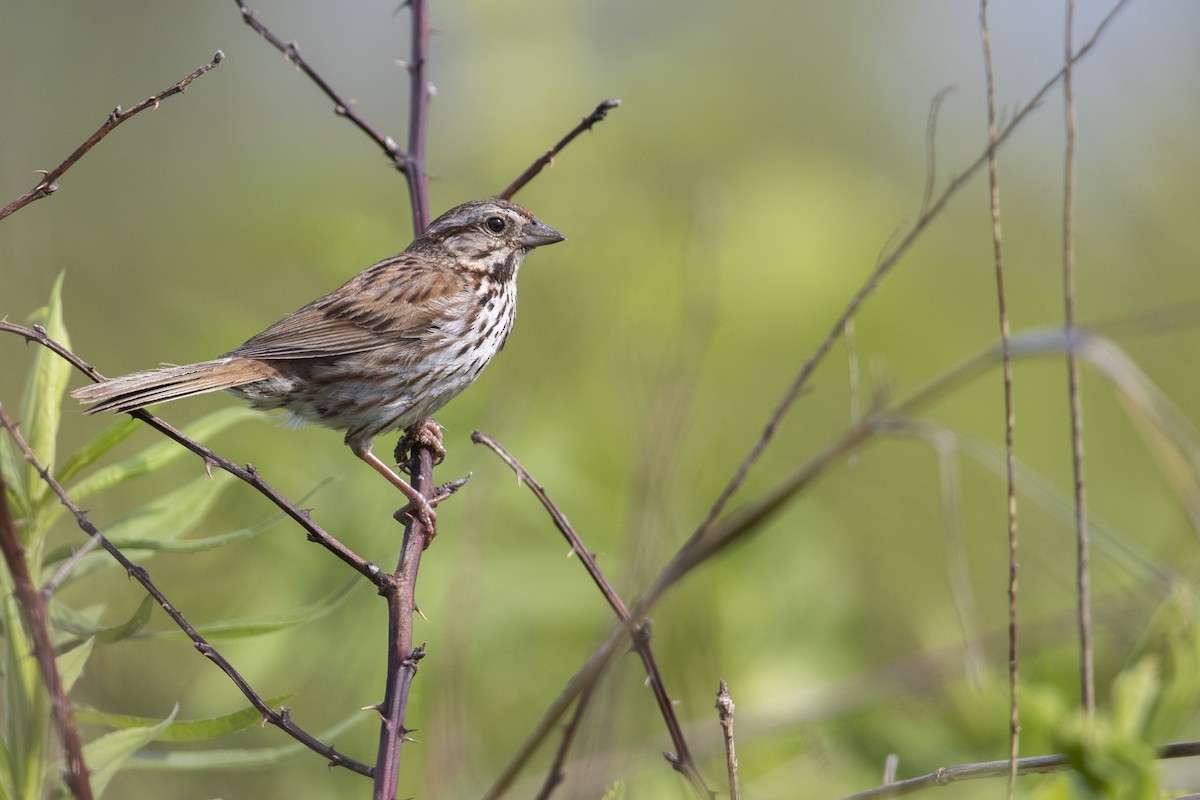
{"x":184,"y":730}
{"x":8,"y":786}
{"x":91,"y":452}
{"x":240,"y":758}
{"x":107,"y":754}
{"x":111,"y":634}
{"x":12,"y":469}
{"x":172,"y":515}
{"x":71,"y":662}
{"x":26,"y":707}
{"x":241,"y":628}
{"x":160,"y":453}
{"x":42,"y":403}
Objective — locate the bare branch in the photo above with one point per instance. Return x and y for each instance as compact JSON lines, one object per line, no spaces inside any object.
{"x":48,"y":185}
{"x":598,"y":114}
{"x":282,"y":718}
{"x":422,"y":441}
{"x":881,"y":270}
{"x":682,"y":759}
{"x":1087,"y":676}
{"x":1014,"y":708}
{"x":211,"y":459}
{"x":725,"y":715}
{"x":341,"y":106}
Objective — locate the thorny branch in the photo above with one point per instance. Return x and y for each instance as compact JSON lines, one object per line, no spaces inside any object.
{"x":211,"y":459}
{"x":282,"y":718}
{"x":598,"y":114}
{"x":682,"y":759}
{"x":49,"y":182}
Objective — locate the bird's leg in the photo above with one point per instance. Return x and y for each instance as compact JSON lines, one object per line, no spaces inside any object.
{"x":416,"y":501}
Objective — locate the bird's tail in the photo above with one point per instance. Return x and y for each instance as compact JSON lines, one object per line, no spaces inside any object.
{"x":130,"y":392}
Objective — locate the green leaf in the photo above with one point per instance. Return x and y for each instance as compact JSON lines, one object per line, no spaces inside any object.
{"x":91,"y":452}
{"x":160,"y":453}
{"x":185,"y":730}
{"x":26,"y":707}
{"x":71,"y":663}
{"x":107,"y":754}
{"x":111,"y":634}
{"x":171,"y":515}
{"x":12,"y":469}
{"x":240,"y":758}
{"x":241,"y":628}
{"x":41,"y":406}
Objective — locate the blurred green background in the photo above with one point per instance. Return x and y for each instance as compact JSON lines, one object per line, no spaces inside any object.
{"x":763,"y":157}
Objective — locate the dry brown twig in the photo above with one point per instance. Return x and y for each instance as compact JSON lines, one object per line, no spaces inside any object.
{"x":1087,"y":676}
{"x":639,"y":630}
{"x":1014,"y":708}
{"x":725,"y":708}
{"x":282,"y":718}
{"x":48,"y":185}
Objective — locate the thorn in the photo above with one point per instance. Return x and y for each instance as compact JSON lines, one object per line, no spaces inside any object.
{"x":208,"y":466}
{"x":377,"y":708}
{"x":417,"y":609}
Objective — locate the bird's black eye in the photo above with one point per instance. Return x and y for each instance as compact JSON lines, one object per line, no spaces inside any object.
{"x":494,"y":224}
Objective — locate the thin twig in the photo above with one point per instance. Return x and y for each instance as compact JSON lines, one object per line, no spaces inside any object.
{"x":1014,"y":708}
{"x":682,"y":759}
{"x":556,"y":773}
{"x":597,"y":115}
{"x":1087,"y":678}
{"x":48,"y":185}
{"x":282,"y":718}
{"x":725,"y":716}
{"x":37,"y":625}
{"x":882,"y":268}
{"x":341,"y":106}
{"x":66,"y":568}
{"x":211,"y":459}
{"x":994,"y":769}
{"x":931,"y":145}
{"x":418,"y":114}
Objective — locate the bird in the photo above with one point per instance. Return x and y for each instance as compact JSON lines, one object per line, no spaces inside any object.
{"x":388,"y":348}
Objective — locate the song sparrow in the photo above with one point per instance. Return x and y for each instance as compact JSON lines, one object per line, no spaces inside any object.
{"x":388,"y":348}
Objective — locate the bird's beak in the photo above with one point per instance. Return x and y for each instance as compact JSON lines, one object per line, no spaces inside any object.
{"x":538,"y":234}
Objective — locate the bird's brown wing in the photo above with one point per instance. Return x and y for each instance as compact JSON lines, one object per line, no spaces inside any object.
{"x":402,"y":299}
